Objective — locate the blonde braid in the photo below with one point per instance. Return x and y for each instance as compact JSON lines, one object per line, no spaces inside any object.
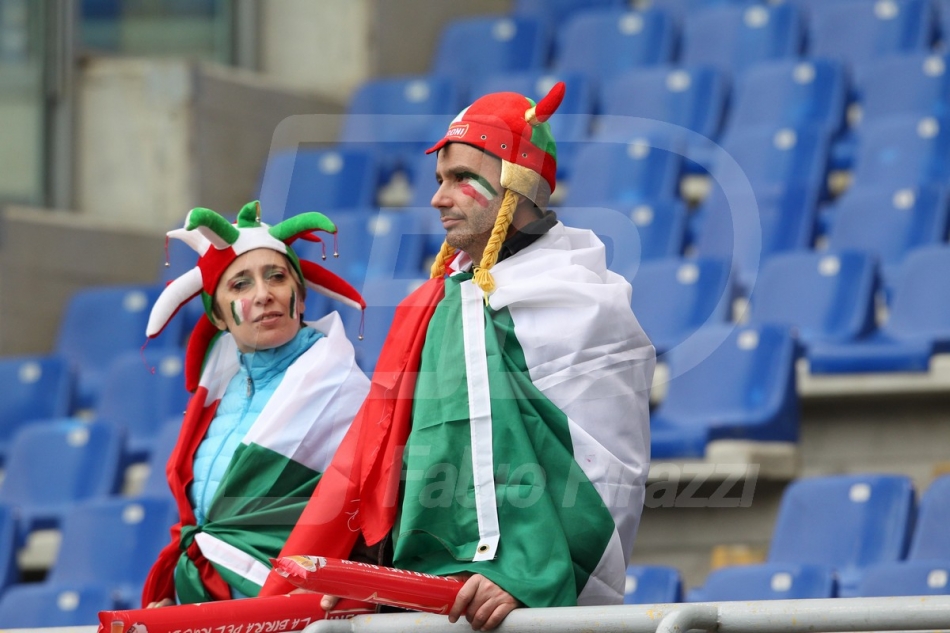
{"x":438,"y":266}
{"x":483,"y":276}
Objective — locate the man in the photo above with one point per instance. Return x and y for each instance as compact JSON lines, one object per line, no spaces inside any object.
{"x":506,"y":435}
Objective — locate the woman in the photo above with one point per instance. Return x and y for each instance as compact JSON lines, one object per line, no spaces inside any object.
{"x":273,"y":397}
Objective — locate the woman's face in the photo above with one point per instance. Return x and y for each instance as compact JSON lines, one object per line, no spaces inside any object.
{"x":258,"y":300}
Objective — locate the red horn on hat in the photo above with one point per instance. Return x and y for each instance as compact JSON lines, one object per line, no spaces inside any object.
{"x":543,"y":110}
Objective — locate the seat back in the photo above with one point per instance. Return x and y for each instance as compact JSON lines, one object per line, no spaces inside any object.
{"x":9,"y":569}
{"x":673,"y":298}
{"x":509,"y":43}
{"x":931,"y":540}
{"x":101,"y":323}
{"x":915,"y":83}
{"x":733,"y":37}
{"x":604,"y":42}
{"x":791,"y":93}
{"x":45,"y":605}
{"x":691,"y":97}
{"x":907,"y":578}
{"x":54,"y":464}
{"x":855,"y":30}
{"x":824,"y":296}
{"x":845,"y":521}
{"x":306,"y":179}
{"x":141,"y":391}
{"x":156,"y":483}
{"x":771,"y":581}
{"x":35,"y":388}
{"x":920,"y":308}
{"x":903,"y":151}
{"x":652,"y":584}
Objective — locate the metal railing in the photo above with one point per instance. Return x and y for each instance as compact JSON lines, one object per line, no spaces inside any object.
{"x":931,"y":613}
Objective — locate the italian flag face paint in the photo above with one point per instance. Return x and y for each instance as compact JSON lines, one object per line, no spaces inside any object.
{"x":240,"y":310}
{"x":478,"y":188}
{"x":293,"y":304}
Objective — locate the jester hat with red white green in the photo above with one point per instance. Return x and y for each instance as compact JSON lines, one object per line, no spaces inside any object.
{"x":513,"y":128}
{"x":218,"y":243}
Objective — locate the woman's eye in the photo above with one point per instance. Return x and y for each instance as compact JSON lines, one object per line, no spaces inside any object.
{"x":240,"y":284}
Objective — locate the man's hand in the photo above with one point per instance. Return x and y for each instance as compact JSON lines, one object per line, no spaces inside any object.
{"x":164,"y":602}
{"x":484,"y":603}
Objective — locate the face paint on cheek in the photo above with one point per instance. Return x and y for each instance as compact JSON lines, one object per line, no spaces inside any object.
{"x":293,"y":305}
{"x":478,"y":189}
{"x":240,"y":310}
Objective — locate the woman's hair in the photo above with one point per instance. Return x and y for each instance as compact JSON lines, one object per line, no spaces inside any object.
{"x":301,"y":291}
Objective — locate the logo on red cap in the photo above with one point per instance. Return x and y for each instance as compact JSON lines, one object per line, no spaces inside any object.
{"x":457,"y":130}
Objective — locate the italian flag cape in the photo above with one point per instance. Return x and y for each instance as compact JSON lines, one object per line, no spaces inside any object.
{"x":509,"y":439}
{"x":271,"y":476}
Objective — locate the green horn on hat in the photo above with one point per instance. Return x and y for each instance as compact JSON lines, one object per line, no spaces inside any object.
{"x":214,"y":222}
{"x":304,"y":223}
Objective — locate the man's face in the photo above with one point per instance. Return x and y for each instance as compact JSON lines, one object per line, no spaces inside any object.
{"x":468,"y":197}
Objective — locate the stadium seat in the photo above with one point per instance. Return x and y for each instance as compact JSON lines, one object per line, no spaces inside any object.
{"x":45,"y":605}
{"x":632,"y":233}
{"x":681,"y":8}
{"x":769,"y":581}
{"x":917,"y":326}
{"x":35,"y":388}
{"x":509,"y":43}
{"x":9,"y":572}
{"x":113,"y":542}
{"x":653,"y":584}
{"x":141,"y":391}
{"x":54,"y":464}
{"x":907,"y":578}
{"x":369,"y":242}
{"x":943,"y":24}
{"x":827,"y":296}
{"x":688,"y":97}
{"x":99,"y":324}
{"x":571,"y":126}
{"x":640,"y":170}
{"x":559,"y":11}
{"x":382,"y":297}
{"x":727,"y":383}
{"x":791,"y":93}
{"x":396,"y":115}
{"x":887,"y":223}
{"x":734,"y":37}
{"x":931,"y":539}
{"x":903,"y":151}
{"x":326,"y":180}
{"x":674,"y":298}
{"x":156,"y":483}
{"x":856,"y":31}
{"x":847,"y":522}
{"x":915,"y":83}
{"x":604,"y":42}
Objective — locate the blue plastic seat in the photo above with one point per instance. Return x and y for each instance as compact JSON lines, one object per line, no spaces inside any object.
{"x":571,"y":126}
{"x":641,"y":169}
{"x":506,"y":43}
{"x":856,"y":31}
{"x":943,"y":24}
{"x":907,"y":578}
{"x":791,"y":93}
{"x":382,"y":297}
{"x":101,"y":323}
{"x":847,"y":522}
{"x":931,"y":539}
{"x":45,"y":605}
{"x":9,"y":571}
{"x":688,"y":97}
{"x":53,"y":465}
{"x":141,"y":391}
{"x":903,"y":151}
{"x":653,"y":584}
{"x":735,"y":37}
{"x":727,"y":383}
{"x":918,"y":323}
{"x":156,"y":483}
{"x":674,"y":298}
{"x":559,"y":11}
{"x":35,"y":388}
{"x":914,"y":83}
{"x":396,"y":115}
{"x":306,"y":179}
{"x":113,"y":542}
{"x":604,"y":42}
{"x":887,"y":223}
{"x":827,"y":296}
{"x":632,"y":233}
{"x":769,"y":581}
{"x":369,"y":242}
